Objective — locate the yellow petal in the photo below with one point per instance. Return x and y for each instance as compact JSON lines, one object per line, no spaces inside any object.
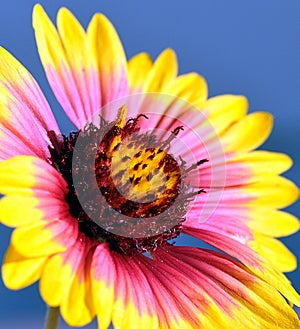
{"x":52,"y":287}
{"x":272,"y":309}
{"x":139,"y":67}
{"x":18,"y":271}
{"x":125,"y":315}
{"x":106,"y":44}
{"x":37,"y":239}
{"x":19,"y":210}
{"x":275,"y":252}
{"x":74,"y":39}
{"x":273,"y":222}
{"x":60,"y":285}
{"x":17,"y":176}
{"x":26,"y":175}
{"x":224,"y":110}
{"x":248,"y":133}
{"x":265,"y":162}
{"x":273,"y":191}
{"x":48,"y":42}
{"x":108,"y":58}
{"x":77,"y":308}
{"x":163,"y":72}
{"x":103,"y":306}
{"x":190,"y":87}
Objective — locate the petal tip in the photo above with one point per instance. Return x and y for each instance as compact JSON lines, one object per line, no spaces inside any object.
{"x":101,"y":19}
{"x":38,"y":16}
{"x":63,"y":14}
{"x":37,"y":10}
{"x":169,"y":52}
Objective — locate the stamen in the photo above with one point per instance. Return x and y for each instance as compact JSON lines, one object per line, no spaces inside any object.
{"x":174,"y":133}
{"x":190,"y":195}
{"x":195,"y":165}
{"x":135,"y":120}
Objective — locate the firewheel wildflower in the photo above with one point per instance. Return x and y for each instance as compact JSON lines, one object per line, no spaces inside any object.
{"x":96,"y":212}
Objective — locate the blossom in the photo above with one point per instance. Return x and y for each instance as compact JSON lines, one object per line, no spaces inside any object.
{"x":145,"y":281}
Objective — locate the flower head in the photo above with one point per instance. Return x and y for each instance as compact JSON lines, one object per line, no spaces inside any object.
{"x":96,"y":211}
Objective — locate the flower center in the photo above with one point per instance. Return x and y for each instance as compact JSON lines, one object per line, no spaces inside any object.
{"x":136,"y":176}
{"x":130,"y":191}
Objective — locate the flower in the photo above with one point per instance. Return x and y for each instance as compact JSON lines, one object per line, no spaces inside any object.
{"x":88,"y":270}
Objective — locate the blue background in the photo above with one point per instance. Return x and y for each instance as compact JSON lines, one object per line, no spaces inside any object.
{"x":241,"y":47}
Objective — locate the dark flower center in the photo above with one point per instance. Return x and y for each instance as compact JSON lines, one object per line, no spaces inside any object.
{"x":131,"y":190}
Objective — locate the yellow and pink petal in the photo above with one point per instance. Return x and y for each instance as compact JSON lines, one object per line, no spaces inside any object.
{"x":103,"y":279}
{"x":253,"y":260}
{"x":25,"y":116}
{"x":125,"y":305}
{"x":87,"y":69}
{"x":183,"y":287}
{"x":47,"y":227}
{"x":254,"y":227}
{"x":237,"y":210}
{"x":65,"y":282}
{"x":238,"y":293}
{"x":49,"y":245}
